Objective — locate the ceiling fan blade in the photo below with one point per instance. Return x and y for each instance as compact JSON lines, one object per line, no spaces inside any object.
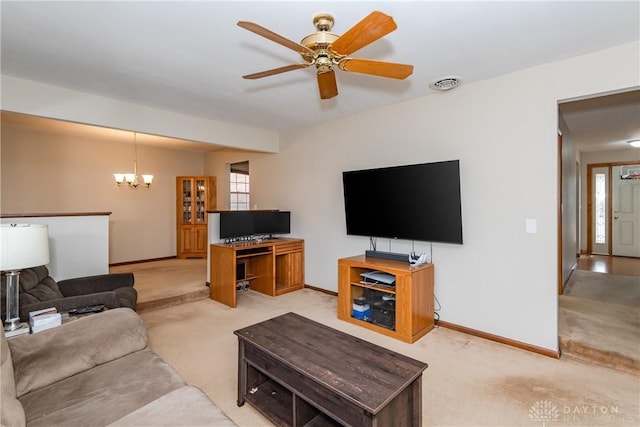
{"x":327,"y":84}
{"x":278,"y":70}
{"x":268,"y":34}
{"x":376,"y":68}
{"x":373,"y":27}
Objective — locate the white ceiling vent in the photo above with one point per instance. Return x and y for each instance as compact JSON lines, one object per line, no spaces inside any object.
{"x":446,"y":83}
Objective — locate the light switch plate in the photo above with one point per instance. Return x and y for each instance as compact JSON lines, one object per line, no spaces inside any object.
{"x":531,"y":226}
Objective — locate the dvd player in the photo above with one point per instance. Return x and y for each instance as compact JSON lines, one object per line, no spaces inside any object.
{"x":378,"y":278}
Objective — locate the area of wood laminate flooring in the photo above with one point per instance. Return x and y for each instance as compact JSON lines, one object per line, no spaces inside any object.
{"x":609,"y":264}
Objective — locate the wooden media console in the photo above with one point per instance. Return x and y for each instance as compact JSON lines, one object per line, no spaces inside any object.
{"x":404,"y":311}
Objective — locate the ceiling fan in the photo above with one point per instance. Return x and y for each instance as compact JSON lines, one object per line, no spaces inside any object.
{"x":325,"y":49}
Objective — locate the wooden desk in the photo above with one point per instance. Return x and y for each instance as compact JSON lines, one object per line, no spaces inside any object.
{"x":298,"y":372}
{"x":272,"y":267}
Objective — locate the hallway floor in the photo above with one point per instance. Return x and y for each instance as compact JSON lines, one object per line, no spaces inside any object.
{"x":598,"y":320}
{"x":609,"y":264}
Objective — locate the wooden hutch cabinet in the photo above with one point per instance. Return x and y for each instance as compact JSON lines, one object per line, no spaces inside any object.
{"x":195,"y":195}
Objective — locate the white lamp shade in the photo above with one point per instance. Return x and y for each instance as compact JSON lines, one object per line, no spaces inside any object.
{"x":23,"y":246}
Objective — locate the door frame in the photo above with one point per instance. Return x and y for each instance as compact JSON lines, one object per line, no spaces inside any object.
{"x":559,"y":215}
{"x":589,"y":200}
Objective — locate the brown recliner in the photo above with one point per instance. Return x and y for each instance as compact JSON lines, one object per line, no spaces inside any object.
{"x":38,"y":290}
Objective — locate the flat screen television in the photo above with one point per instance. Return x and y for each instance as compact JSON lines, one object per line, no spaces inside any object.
{"x":412,"y":202}
{"x":235,"y":224}
{"x":272,"y":222}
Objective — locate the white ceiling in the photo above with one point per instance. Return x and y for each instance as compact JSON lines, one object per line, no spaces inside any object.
{"x":188,"y":57}
{"x":604,"y":123}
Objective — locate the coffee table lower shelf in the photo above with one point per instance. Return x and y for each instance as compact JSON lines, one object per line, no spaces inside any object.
{"x":281,"y":405}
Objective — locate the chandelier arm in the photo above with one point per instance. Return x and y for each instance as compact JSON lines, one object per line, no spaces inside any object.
{"x":131,"y":179}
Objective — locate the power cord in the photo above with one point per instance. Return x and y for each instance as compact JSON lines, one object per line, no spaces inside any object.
{"x":242,"y":286}
{"x":373,"y":241}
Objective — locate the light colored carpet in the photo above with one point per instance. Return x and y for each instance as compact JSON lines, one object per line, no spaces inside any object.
{"x":167,"y":282}
{"x":469,"y":382}
{"x":609,"y":288}
{"x":599,"y":320}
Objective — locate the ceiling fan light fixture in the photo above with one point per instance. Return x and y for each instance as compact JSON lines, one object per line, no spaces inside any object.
{"x":635,"y":143}
{"x":319,"y":40}
{"x":324,"y":49}
{"x":446,"y":83}
{"x":323,"y":21}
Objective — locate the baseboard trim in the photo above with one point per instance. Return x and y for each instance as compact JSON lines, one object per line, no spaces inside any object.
{"x":140,"y":261}
{"x":572,"y":270}
{"x":475,"y":332}
{"x":501,"y":340}
{"x":324,"y":291}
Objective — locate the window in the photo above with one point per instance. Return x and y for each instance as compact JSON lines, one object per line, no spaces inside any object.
{"x":239,"y":187}
{"x":601,"y":209}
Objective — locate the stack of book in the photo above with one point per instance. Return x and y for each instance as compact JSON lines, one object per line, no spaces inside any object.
{"x":44,"y":319}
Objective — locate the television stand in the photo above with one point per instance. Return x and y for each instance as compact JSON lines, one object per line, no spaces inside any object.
{"x":404,"y":311}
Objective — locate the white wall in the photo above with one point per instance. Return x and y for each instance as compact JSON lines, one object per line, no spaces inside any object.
{"x":504,"y":131}
{"x":39,"y":99}
{"x":78,"y":245}
{"x":44,"y":172}
{"x":217,"y":164}
{"x":570,"y":175}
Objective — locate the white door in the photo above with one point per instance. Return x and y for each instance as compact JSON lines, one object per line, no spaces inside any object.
{"x":626,"y":211}
{"x":600,"y":209}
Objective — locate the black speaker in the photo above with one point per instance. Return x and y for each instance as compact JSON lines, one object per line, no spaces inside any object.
{"x":384,"y":314}
{"x":241,"y":270}
{"x":387,"y":255}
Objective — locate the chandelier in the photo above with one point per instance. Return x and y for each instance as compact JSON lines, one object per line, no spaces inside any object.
{"x":131,"y":179}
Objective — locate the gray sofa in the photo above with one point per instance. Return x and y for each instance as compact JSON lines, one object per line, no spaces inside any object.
{"x":38,"y":290}
{"x":97,"y":371}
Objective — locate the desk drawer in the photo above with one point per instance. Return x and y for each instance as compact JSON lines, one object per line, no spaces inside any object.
{"x":307,"y":389}
{"x":284,"y":248}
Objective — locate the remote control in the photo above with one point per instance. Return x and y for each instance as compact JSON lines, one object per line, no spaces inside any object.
{"x":86,"y":310}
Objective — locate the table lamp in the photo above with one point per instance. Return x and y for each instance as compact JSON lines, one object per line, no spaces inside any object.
{"x":22,"y":246}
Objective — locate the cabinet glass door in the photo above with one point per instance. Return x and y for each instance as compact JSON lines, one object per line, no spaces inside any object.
{"x":374,"y":306}
{"x":201,"y":194}
{"x":186,"y":201}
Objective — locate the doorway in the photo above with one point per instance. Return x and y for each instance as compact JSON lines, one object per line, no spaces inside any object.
{"x":596,"y":131}
{"x":626,"y":211}
{"x":613,"y":209}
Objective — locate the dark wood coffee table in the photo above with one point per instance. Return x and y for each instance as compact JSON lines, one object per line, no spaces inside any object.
{"x":298,"y":372}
